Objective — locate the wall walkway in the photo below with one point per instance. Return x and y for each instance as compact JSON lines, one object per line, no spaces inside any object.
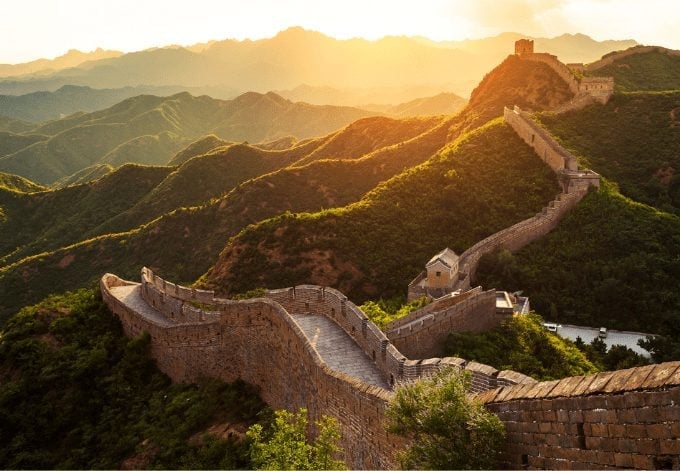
{"x":628,"y":418}
{"x":303,"y":346}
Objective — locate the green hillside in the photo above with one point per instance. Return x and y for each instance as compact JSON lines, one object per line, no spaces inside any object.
{"x":368,"y":134}
{"x":375,"y":247}
{"x":198,"y":147}
{"x":14,"y":125}
{"x":51,"y":219}
{"x":77,"y":394}
{"x":611,"y":262}
{"x":200,"y":179}
{"x":633,"y":140}
{"x":150,"y":130}
{"x":647,"y":71}
{"x":11,"y":142}
{"x":16,"y":183}
{"x":183,"y":244}
{"x":88,"y":174}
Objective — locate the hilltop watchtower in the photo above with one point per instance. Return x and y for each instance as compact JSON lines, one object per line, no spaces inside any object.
{"x":524,"y":46}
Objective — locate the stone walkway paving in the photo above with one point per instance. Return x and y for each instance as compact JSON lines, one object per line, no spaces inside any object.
{"x":338,"y":349}
{"x":131,"y":296}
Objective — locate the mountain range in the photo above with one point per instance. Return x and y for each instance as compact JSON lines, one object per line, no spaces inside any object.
{"x":296,"y":56}
{"x":149,"y":129}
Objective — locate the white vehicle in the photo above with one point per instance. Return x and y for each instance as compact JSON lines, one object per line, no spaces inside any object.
{"x":551,"y":327}
{"x":602,"y":333}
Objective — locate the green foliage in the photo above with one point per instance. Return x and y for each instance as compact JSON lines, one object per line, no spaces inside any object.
{"x":633,"y":140}
{"x":383,"y":312}
{"x":16,"y":183}
{"x":664,"y":347}
{"x":489,"y":180}
{"x":48,"y":220}
{"x":522,"y":344}
{"x":610,"y":262}
{"x":652,"y":70}
{"x":449,"y":430}
{"x":75,"y":393}
{"x":149,"y":130}
{"x":183,"y":244}
{"x":617,"y":357}
{"x":284,"y":445}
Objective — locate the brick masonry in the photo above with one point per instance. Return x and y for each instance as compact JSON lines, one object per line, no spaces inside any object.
{"x":623,"y":419}
{"x":193,"y":335}
{"x":628,"y":418}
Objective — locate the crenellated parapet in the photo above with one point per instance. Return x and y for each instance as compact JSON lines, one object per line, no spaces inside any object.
{"x":624,"y":419}
{"x":264,"y":341}
{"x":261,"y":342}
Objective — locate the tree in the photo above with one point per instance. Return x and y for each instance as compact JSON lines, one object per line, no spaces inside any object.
{"x":449,"y":430}
{"x":285,"y":446}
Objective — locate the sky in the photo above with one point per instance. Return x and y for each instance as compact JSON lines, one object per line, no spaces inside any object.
{"x":31,"y":29}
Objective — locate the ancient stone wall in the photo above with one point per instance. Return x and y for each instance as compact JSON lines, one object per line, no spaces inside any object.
{"x":624,"y":419}
{"x":520,"y":234}
{"x":550,"y":151}
{"x":586,"y":90}
{"x":562,"y":70}
{"x":257,"y":341}
{"x":627,"y":418}
{"x":333,"y":304}
{"x":610,"y":58}
{"x":424,"y":335}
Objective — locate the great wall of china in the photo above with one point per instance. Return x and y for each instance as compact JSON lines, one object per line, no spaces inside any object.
{"x":310,"y":346}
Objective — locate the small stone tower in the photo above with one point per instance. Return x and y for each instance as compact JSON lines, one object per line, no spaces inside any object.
{"x":524,"y":46}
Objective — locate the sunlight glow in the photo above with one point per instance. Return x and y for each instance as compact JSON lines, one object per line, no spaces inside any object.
{"x":47,"y":28}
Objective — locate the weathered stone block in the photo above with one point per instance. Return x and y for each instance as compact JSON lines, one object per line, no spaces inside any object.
{"x":643,"y":462}
{"x":648,"y":446}
{"x":670,"y":447}
{"x":623,"y":460}
{"x":659,"y":431}
{"x":618,"y":430}
{"x":660,"y":374}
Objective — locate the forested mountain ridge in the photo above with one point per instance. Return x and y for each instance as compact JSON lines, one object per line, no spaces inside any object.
{"x":150,"y":130}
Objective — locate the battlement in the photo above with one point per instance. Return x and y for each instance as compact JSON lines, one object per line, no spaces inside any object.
{"x":258,"y":341}
{"x":627,"y":418}
{"x":586,"y":90}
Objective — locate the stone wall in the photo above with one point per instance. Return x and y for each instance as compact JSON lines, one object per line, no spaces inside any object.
{"x":548,"y":150}
{"x":423,"y":333}
{"x":628,"y":418}
{"x":610,"y":58}
{"x":586,"y":90}
{"x":520,"y":234}
{"x":624,"y":419}
{"x":562,"y":70}
{"x":257,"y":341}
{"x":333,"y":304}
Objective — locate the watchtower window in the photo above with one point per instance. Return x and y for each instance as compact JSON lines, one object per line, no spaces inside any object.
{"x":438,"y":273}
{"x":533,"y":136}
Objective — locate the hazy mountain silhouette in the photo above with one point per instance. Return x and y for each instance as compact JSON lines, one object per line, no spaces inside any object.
{"x":72,"y":58}
{"x":297,"y":56}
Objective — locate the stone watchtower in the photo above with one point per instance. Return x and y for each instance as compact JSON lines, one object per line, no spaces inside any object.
{"x":524,"y":46}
